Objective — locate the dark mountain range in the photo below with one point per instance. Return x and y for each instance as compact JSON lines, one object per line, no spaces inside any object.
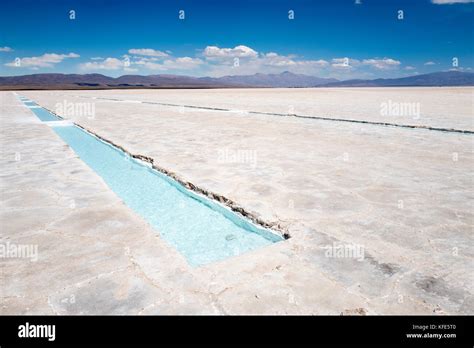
{"x":285,"y":79}
{"x":444,"y":78}
{"x":102,"y":81}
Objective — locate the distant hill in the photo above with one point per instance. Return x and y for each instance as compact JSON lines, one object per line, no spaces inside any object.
{"x":285,"y":79}
{"x":445,"y":78}
{"x":102,"y":81}
{"x":54,"y":79}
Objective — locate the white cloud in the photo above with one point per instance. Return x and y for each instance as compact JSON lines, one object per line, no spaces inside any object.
{"x":6,"y":49}
{"x":181,"y":63}
{"x":221,"y":61}
{"x":265,"y":63}
{"x":240,"y":51}
{"x":47,"y":60}
{"x":344,"y":63}
{"x":274,"y":59}
{"x":106,"y":64}
{"x":430,"y":63}
{"x":460,"y":68}
{"x":450,"y":2}
{"x":215,"y":61}
{"x":345,"y":66}
{"x":382,"y":64}
{"x":147,"y":52}
{"x":147,"y":59}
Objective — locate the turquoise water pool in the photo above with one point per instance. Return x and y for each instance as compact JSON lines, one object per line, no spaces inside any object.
{"x":200,"y":229}
{"x":41,"y":113}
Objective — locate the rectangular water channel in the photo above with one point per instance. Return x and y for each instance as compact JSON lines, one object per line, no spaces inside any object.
{"x":200,"y":229}
{"x":41,"y":113}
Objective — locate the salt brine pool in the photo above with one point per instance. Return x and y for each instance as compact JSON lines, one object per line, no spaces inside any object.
{"x":202,"y":230}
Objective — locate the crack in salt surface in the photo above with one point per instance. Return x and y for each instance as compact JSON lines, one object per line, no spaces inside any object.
{"x":274,"y":226}
{"x":322,"y":118}
{"x":190,"y":186}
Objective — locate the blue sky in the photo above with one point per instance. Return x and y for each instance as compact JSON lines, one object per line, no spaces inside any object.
{"x":336,"y":38}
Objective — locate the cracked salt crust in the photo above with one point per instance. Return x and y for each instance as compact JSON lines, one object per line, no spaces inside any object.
{"x":334,"y":201}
